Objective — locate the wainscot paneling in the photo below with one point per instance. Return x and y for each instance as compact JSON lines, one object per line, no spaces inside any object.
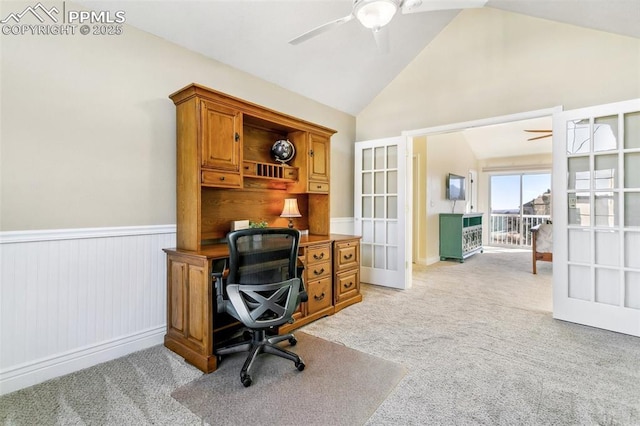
{"x":71,"y":299}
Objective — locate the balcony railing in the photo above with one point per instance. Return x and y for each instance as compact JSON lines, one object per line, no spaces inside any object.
{"x":513,"y":229}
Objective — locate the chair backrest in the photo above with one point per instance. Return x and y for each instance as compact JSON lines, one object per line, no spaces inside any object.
{"x":262,"y":284}
{"x":262,"y":256}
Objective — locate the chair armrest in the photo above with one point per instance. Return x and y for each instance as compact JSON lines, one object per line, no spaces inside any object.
{"x":303,"y":290}
{"x":219,"y":273}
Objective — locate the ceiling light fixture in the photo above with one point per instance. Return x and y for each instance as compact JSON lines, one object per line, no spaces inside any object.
{"x":375,"y":14}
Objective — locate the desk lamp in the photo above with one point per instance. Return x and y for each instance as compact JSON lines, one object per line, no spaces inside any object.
{"x":290,"y":210}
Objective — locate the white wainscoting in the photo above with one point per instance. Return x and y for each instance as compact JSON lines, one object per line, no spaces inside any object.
{"x":74,"y":298}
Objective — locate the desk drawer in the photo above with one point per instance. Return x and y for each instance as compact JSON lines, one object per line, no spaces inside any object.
{"x":347,"y":285}
{"x":319,"y":292}
{"x":318,"y":253}
{"x":347,"y":255}
{"x":227,"y":180}
{"x":319,"y":187}
{"x":318,"y":270}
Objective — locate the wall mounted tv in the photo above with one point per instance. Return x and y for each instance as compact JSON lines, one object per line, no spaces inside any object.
{"x":455,"y":187}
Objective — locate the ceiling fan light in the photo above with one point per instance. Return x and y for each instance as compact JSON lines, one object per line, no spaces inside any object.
{"x":376,"y":14}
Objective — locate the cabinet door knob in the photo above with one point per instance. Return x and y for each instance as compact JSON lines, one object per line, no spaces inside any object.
{"x":237,"y":137}
{"x":221,"y":177}
{"x":311,"y":152}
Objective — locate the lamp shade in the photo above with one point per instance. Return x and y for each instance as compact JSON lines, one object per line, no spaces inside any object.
{"x":375,"y":14}
{"x":290,"y":208}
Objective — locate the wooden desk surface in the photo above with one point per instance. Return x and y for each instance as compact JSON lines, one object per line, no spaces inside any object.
{"x":221,"y":250}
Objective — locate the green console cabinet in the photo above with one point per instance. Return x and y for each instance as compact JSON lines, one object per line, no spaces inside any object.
{"x":460,"y":235}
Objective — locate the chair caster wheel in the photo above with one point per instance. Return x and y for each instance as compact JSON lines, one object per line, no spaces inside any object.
{"x":293,"y":341}
{"x":300,"y":365}
{"x":246,"y":381}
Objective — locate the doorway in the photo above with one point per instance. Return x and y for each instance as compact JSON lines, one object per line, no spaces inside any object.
{"x":432,"y":183}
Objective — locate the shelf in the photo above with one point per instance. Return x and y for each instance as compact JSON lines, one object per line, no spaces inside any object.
{"x":255,"y":169}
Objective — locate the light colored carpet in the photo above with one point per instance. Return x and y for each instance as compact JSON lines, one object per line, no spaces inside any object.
{"x":339,"y":386}
{"x":477,"y":340}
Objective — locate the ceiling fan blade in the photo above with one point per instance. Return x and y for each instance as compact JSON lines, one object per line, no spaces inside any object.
{"x":321,"y":29}
{"x":539,"y":137}
{"x":539,"y":131}
{"x":415,"y":6}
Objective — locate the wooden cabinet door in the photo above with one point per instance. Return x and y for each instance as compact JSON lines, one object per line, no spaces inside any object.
{"x":319,"y":147}
{"x":221,"y":133}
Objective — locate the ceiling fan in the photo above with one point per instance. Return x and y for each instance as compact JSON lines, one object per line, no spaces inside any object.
{"x":375,"y":14}
{"x":548,"y":135}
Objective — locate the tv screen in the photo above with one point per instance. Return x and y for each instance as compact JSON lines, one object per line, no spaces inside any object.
{"x":455,"y":187}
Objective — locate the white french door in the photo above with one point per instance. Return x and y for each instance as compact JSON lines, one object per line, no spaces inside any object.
{"x":380,"y":211}
{"x":596,"y":194}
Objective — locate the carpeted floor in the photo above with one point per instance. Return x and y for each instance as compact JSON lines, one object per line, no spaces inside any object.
{"x":477,"y":340}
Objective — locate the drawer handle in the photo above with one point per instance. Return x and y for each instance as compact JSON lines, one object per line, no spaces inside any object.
{"x":319,"y":298}
{"x":315,"y":271}
{"x":348,"y":256}
{"x":316,"y":257}
{"x":318,"y":187}
{"x":348,"y":285}
{"x":221,"y":177}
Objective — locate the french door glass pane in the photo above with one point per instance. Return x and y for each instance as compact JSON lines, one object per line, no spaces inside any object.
{"x":631,"y":249}
{"x":632,"y":209}
{"x":632,"y":170}
{"x":608,"y":286}
{"x":367,"y":231}
{"x":378,"y":207}
{"x":367,"y":159}
{"x":367,"y":183}
{"x":392,"y":157}
{"x":632,"y":290}
{"x":579,"y":282}
{"x":606,"y":171}
{"x":579,"y":208}
{"x":379,"y":234}
{"x":367,"y":207}
{"x":632,"y":130}
{"x":392,"y":207}
{"x":392,"y":182}
{"x":605,"y":133}
{"x":579,"y":173}
{"x":379,"y":256}
{"x":607,"y":243}
{"x":578,"y":137}
{"x":365,"y":254}
{"x":379,"y":183}
{"x":579,"y":245}
{"x":392,"y":258}
{"x":379,"y":158}
{"x":392,"y":233}
{"x":606,"y":209}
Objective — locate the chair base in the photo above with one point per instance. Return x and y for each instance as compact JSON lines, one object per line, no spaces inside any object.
{"x":260,"y":343}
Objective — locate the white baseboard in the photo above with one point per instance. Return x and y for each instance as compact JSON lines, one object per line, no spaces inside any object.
{"x":32,"y":373}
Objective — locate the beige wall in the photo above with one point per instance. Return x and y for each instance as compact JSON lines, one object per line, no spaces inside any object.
{"x":439,"y":163}
{"x":88,"y":130}
{"x":489,"y":63}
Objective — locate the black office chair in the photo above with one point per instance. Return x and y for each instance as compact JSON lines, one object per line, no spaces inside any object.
{"x":262,"y":290}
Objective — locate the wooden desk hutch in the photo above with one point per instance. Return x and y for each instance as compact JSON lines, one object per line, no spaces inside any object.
{"x":224,"y":173}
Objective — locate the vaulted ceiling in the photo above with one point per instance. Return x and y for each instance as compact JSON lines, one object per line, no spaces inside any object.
{"x":342,"y":68}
